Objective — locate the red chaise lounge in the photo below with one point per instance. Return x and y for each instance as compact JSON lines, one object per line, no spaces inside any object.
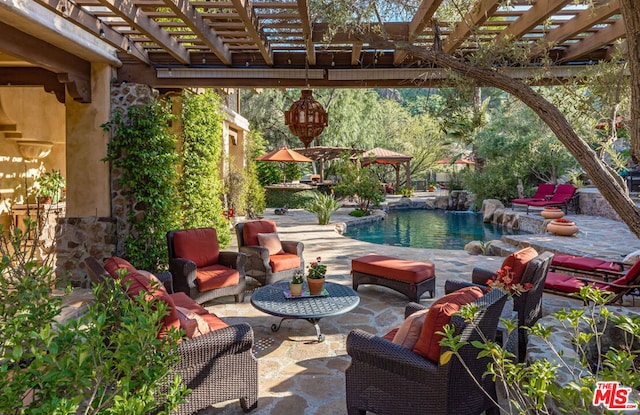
{"x":544,"y":191}
{"x":563,"y":284}
{"x":563,"y":195}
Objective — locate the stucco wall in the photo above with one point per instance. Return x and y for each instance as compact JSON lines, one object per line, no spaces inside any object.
{"x":39,"y":116}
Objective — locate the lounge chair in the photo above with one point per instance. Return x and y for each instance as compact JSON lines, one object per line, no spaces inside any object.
{"x":564,"y":195}
{"x":568,"y":285}
{"x":544,"y":191}
{"x":588,"y":266}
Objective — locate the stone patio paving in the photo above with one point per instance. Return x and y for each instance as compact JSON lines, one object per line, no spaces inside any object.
{"x":301,"y":376}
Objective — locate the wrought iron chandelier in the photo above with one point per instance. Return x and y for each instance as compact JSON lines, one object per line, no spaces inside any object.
{"x":306,"y":118}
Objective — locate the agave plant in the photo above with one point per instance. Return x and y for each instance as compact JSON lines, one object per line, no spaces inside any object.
{"x":323,"y":205}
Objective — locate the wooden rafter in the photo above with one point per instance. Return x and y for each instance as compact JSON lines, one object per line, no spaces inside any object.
{"x":70,"y":69}
{"x":303,"y":9}
{"x":244,"y":9}
{"x":595,"y":41}
{"x":95,"y":26}
{"x":463,"y":29}
{"x":185,"y":11}
{"x":583,"y":21}
{"x":423,"y":16}
{"x":540,"y":11}
{"x":131,"y":13}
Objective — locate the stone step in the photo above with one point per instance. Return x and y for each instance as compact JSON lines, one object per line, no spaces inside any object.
{"x":502,"y":248}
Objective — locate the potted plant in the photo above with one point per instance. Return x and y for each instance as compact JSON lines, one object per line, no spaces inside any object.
{"x":432,"y":186}
{"x":50,"y":186}
{"x":316,"y":276}
{"x":295,"y":285}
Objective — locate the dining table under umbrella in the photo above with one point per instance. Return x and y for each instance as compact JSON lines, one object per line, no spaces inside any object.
{"x":284,"y":155}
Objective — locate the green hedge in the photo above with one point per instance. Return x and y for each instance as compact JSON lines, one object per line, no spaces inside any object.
{"x":296,"y":199}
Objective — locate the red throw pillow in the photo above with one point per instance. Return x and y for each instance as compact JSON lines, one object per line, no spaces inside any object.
{"x":251,"y":230}
{"x":439,"y":315}
{"x":113,"y":264}
{"x":518,"y":262}
{"x":197,"y":245}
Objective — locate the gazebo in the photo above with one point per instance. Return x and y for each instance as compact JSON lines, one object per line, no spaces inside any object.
{"x":380,"y":155}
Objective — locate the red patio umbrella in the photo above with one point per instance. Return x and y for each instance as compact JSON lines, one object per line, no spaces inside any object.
{"x":284,"y":155}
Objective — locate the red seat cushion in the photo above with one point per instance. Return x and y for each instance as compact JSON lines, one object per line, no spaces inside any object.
{"x":282,"y":262}
{"x":197,"y":245}
{"x":251,"y":230}
{"x":584,"y":263}
{"x":216,"y":276}
{"x":439,"y":315}
{"x":517,"y":261}
{"x":562,"y":282}
{"x":630,"y":278}
{"x":394,"y":268}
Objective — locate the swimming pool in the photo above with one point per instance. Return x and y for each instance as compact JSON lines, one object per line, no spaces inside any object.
{"x":433,"y":229}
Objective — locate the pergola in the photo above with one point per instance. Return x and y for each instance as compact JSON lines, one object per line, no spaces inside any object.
{"x":265,"y":43}
{"x":383,"y":156}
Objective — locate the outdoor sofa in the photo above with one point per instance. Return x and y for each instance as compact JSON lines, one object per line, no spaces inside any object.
{"x":217,"y":366}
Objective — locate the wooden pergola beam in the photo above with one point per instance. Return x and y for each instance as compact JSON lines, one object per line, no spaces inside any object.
{"x":595,"y":41}
{"x":185,"y":11}
{"x":463,"y":29}
{"x":132,"y":14}
{"x":244,"y":9}
{"x":94,"y":25}
{"x":538,"y":12}
{"x":307,"y":31}
{"x":583,"y":21}
{"x":423,"y":16}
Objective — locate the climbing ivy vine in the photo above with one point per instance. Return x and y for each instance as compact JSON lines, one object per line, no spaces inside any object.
{"x":201,"y":185}
{"x":143,"y":147}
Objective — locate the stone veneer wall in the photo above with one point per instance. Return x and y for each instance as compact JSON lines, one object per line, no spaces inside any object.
{"x":79,"y":238}
{"x":592,"y":203}
{"x":100,"y":237}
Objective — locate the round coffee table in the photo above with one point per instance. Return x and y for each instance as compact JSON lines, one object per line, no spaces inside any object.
{"x":271,"y":299}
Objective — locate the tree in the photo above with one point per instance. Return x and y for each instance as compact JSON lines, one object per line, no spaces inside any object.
{"x":477,"y":67}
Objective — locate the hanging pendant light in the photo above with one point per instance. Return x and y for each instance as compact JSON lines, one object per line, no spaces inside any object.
{"x":306,"y":118}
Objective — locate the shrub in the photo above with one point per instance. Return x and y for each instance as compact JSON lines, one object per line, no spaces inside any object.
{"x":534,"y":388}
{"x":323,"y":205}
{"x":295,"y":199}
{"x":89,"y":365}
{"x":357,"y":213}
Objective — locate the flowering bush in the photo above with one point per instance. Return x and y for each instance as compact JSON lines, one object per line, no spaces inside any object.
{"x":316,"y":270}
{"x":504,"y":281}
{"x":228,"y":214}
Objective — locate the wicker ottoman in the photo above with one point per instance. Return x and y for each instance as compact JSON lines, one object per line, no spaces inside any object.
{"x":410,"y":278}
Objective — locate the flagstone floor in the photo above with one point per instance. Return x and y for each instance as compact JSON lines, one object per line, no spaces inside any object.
{"x":300,"y":376}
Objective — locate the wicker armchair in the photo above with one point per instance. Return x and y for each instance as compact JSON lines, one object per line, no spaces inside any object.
{"x":201,"y":270}
{"x":217,"y":366}
{"x":389,"y":379}
{"x":528,"y":305}
{"x":266,"y":268}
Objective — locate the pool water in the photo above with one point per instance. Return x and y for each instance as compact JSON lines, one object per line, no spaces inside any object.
{"x":432,"y":229}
